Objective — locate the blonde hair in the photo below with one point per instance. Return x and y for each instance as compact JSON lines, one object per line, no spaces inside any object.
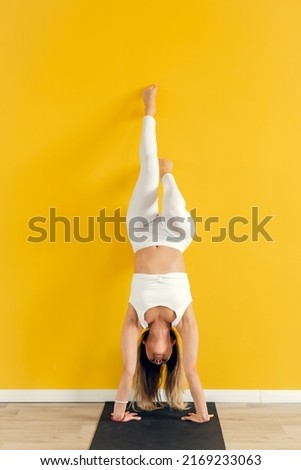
{"x":150,"y":378}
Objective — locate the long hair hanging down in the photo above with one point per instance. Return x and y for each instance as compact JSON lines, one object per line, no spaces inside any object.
{"x":149,"y":378}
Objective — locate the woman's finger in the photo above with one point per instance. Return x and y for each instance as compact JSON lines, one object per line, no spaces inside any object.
{"x":131,"y":417}
{"x":195,"y":418}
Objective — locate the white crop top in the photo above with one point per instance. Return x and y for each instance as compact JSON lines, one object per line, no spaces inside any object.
{"x":171,"y":290}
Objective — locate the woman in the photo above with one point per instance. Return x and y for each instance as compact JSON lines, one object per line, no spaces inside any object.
{"x":160,"y":305}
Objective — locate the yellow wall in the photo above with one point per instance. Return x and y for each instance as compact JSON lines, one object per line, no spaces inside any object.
{"x":229,"y":116}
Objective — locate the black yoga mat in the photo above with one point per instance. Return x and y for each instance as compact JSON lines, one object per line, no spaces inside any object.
{"x":158,"y":429}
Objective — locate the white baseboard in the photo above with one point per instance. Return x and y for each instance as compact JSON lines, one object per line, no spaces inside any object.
{"x":281,"y":396}
{"x":101,"y":395}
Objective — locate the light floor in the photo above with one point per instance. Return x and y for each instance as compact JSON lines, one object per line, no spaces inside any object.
{"x":72,"y":425}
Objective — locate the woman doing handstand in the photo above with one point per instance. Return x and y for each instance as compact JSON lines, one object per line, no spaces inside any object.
{"x":160,"y":317}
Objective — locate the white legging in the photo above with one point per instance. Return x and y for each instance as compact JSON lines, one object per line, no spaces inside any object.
{"x":144,"y":200}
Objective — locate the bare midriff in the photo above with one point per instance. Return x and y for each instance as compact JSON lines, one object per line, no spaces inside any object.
{"x":158,"y":260}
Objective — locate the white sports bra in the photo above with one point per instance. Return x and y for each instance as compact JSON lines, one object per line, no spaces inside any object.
{"x":170,"y":290}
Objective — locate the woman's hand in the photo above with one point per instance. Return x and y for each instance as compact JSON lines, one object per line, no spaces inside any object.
{"x":197,"y":417}
{"x":127,"y":416}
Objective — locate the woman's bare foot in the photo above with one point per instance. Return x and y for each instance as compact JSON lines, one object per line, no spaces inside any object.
{"x":165,"y":166}
{"x":149,"y":98}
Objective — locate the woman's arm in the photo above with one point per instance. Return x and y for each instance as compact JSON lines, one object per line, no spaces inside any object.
{"x":129,"y":337}
{"x":190,"y":339}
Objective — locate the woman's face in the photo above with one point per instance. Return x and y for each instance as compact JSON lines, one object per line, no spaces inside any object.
{"x":158,"y":350}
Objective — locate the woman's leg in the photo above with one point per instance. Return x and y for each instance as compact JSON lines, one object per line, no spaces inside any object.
{"x":144,"y":200}
{"x":174,"y":206}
